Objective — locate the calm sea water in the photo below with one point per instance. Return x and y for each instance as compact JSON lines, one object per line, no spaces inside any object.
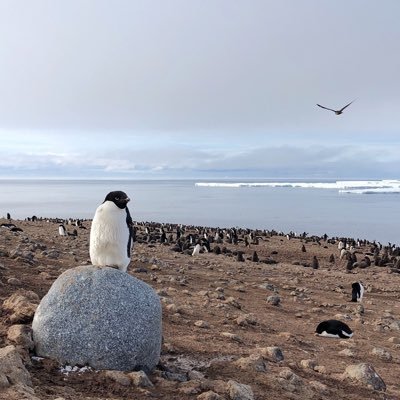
{"x":311,"y":209}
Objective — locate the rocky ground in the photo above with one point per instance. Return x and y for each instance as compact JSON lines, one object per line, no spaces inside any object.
{"x":232,"y":329}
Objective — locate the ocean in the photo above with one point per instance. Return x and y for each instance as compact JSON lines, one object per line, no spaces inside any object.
{"x":359,"y":209}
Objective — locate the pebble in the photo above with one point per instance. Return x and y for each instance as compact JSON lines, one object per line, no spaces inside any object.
{"x":239,"y":391}
{"x":202,"y":324}
{"x":140,"y":379}
{"x":232,"y":336}
{"x":381,"y":353}
{"x":246,"y":319}
{"x":346,"y":353}
{"x":308,"y":364}
{"x":21,"y":334}
{"x":14,"y":281}
{"x":319,"y":387}
{"x":118,"y":377}
{"x":272,"y":352}
{"x":210,"y":395}
{"x":233,"y":302}
{"x":273,"y":300}
{"x":253,"y":362}
{"x":394,"y":340}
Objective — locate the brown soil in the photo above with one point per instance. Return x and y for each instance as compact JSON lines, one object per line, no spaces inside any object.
{"x":201,"y":288}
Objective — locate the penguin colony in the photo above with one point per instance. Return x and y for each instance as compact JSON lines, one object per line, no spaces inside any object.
{"x":113,"y":233}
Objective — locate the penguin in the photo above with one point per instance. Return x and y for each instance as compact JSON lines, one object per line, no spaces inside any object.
{"x":111,"y":234}
{"x":61,"y":230}
{"x":357,"y":292}
{"x":196,"y":250}
{"x":334,"y":328}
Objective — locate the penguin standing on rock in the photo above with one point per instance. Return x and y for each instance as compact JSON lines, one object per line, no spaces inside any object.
{"x":111,"y":234}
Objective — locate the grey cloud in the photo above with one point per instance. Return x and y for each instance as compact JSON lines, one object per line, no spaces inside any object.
{"x":266,"y":162}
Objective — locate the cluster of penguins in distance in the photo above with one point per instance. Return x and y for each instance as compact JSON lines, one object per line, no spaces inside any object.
{"x":112,"y":222}
{"x":113,"y":233}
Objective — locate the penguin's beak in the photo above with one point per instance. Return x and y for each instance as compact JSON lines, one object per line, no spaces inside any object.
{"x":127,"y":199}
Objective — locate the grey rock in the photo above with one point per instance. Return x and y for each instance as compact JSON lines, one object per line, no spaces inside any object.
{"x":140,"y":379}
{"x":273,"y":352}
{"x":53,"y":254}
{"x":12,"y":369}
{"x":273,"y":300}
{"x":118,"y":377}
{"x":99,"y":317}
{"x":381,"y":353}
{"x":239,"y":391}
{"x":22,"y":304}
{"x":254,"y":362}
{"x":21,"y":335}
{"x":365,"y":374}
{"x":209,"y":395}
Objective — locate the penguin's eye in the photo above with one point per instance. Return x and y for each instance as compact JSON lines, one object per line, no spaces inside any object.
{"x":117,"y":198}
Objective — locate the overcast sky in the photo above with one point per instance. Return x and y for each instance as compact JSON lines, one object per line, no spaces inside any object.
{"x":202,"y":89}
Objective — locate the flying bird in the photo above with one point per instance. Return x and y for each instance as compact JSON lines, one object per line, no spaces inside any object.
{"x":111,"y":234}
{"x":337,"y":112}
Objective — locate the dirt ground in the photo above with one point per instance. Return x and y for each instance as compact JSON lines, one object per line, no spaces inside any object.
{"x":215,"y":312}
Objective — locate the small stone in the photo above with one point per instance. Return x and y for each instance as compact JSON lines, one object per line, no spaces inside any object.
{"x":118,"y":377}
{"x":273,"y":352}
{"x":12,"y":369}
{"x":173,"y":308}
{"x":253,"y":362}
{"x":308,"y":364}
{"x":231,"y":336}
{"x":140,"y":379}
{"x":14,"y":281}
{"x":190,"y":387}
{"x":394,"y":340}
{"x":273,"y":300}
{"x":382,"y":354}
{"x":365,"y":374}
{"x":290,"y":376}
{"x":246,"y":319}
{"x":21,"y":335}
{"x":320,"y":368}
{"x":233,"y":302}
{"x":202,"y":324}
{"x":395,"y":326}
{"x":319,"y":387}
{"x":22,"y":304}
{"x":195,"y":375}
{"x":359,"y":309}
{"x":346,"y":353}
{"x":210,"y":395}
{"x":239,"y":391}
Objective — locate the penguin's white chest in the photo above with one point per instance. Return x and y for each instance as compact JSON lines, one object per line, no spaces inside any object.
{"x":109,"y":237}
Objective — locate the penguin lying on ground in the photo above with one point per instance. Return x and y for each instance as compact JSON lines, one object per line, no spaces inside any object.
{"x":111,"y":233}
{"x":334,"y":328}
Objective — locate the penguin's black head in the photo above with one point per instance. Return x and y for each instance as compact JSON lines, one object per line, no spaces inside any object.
{"x":120,"y":199}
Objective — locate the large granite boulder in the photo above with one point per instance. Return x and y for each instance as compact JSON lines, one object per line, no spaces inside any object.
{"x":100,"y":317}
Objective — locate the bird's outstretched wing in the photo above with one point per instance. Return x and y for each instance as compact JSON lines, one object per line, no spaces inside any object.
{"x":326,"y":108}
{"x":346,"y":105}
